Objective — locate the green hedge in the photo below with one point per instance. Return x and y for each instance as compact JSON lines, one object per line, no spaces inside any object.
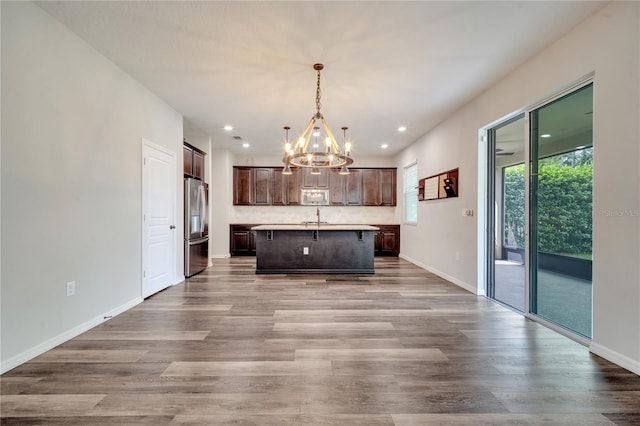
{"x":564,"y":206}
{"x":514,"y":206}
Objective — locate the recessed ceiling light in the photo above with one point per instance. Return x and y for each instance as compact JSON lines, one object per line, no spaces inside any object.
{"x":228,"y":128}
{"x":402,"y":128}
{"x":384,"y":146}
{"x":546,"y":135}
{"x":245,"y":145}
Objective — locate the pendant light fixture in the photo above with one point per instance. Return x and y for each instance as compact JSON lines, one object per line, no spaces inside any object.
{"x":316,"y":157}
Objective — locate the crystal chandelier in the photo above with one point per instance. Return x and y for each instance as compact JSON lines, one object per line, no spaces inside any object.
{"x":331,"y":155}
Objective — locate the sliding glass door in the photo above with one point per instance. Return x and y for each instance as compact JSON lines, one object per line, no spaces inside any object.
{"x":561,"y":182}
{"x":539,"y":211}
{"x":506,"y":235}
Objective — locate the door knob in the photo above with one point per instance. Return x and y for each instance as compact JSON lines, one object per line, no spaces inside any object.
{"x":172,"y":227}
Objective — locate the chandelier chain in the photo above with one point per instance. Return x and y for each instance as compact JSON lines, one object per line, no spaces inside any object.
{"x":318,"y":104}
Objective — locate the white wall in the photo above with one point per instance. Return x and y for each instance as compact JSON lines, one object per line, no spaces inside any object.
{"x":451,"y":248}
{"x":220,"y":200}
{"x":608,"y":44}
{"x":71,"y":182}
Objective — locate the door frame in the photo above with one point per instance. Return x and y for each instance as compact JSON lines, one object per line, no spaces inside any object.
{"x":485,"y":233}
{"x":531,"y":255}
{"x":483,"y":205}
{"x":491,"y":195}
{"x":149,"y":145}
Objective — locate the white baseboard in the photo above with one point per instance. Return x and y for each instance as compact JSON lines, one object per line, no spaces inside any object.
{"x":43,"y":347}
{"x":441,"y":274}
{"x":221,"y":256}
{"x":615,"y":357}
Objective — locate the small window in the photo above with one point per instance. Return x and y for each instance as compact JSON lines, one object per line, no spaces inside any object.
{"x":411,"y":193}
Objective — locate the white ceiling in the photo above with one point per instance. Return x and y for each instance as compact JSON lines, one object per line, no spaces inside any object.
{"x":567,"y":122}
{"x":249,"y":64}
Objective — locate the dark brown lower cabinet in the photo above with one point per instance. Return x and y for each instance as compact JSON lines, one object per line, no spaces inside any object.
{"x":242,"y":240}
{"x":386,"y":241}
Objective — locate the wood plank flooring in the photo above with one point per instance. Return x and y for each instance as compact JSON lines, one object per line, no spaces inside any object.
{"x":402,"y":347}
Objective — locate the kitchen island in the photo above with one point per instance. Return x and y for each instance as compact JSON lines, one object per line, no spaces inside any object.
{"x":313,"y":248}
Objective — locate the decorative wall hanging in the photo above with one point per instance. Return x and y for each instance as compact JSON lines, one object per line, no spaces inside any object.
{"x":443,"y":185}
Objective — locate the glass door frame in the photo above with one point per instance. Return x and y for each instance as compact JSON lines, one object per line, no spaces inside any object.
{"x":531,"y":254}
{"x":485,"y":255}
{"x":491,"y":210}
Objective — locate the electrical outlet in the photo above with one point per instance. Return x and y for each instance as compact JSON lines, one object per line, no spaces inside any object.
{"x":457,"y":255}
{"x":71,"y":288}
{"x":305,"y":251}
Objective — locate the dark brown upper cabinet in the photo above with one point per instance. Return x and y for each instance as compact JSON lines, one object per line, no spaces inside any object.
{"x":354,"y":188}
{"x":187,"y":155}
{"x":387,"y":187}
{"x":337,"y":187}
{"x":370,"y":187}
{"x":278,"y":188}
{"x":345,"y":190}
{"x":268,"y":186}
{"x":243,"y":186}
{"x":292,"y":187}
{"x":198,"y":165}
{"x":311,"y":181}
{"x":262,"y":187}
{"x":378,"y":187}
{"x":193,"y":160}
{"x":285,"y":189}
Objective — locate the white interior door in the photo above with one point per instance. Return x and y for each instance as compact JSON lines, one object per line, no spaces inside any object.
{"x":158,"y":218}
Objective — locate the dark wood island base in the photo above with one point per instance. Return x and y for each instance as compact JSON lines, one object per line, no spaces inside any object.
{"x":311,"y":249}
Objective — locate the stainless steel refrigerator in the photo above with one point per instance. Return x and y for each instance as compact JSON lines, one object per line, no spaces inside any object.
{"x":196,"y":232}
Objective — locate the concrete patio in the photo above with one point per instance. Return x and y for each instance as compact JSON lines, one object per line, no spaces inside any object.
{"x":562,"y":299}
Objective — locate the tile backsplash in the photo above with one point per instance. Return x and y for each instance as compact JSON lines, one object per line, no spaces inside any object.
{"x":298,"y":214}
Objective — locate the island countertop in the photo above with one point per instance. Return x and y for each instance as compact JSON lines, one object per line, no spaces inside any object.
{"x":309,"y":248}
{"x":314,"y":227}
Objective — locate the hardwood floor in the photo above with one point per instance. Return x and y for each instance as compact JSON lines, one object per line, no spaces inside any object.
{"x":402,"y":347}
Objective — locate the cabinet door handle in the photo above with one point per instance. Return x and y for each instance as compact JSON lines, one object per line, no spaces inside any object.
{"x":172,"y":227}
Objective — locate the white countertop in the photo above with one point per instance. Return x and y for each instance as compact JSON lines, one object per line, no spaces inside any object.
{"x":314,"y":227}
